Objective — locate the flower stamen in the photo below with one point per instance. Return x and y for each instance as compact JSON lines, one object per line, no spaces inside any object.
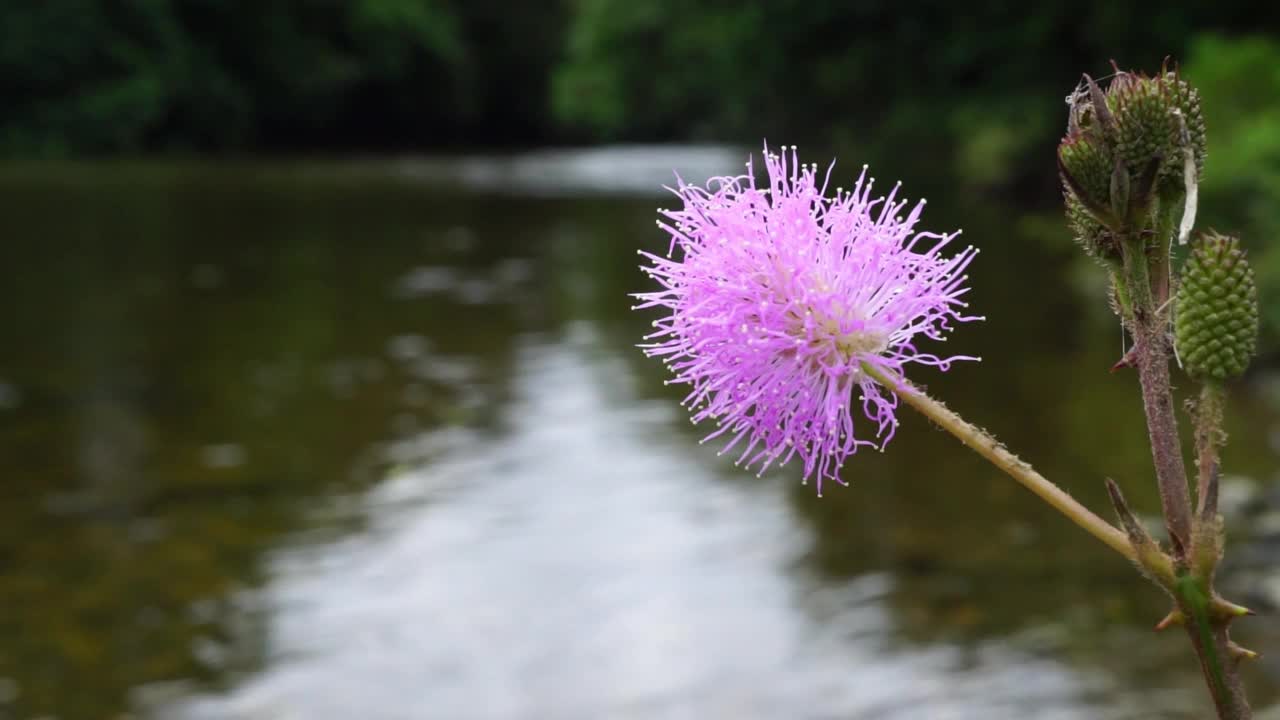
{"x":777,"y":296}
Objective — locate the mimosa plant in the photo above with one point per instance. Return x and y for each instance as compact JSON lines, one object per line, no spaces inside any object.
{"x":795,"y":310}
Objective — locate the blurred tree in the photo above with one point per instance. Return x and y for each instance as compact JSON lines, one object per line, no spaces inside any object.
{"x":973,"y":91}
{"x":102,"y":76}
{"x":77,"y":74}
{"x":973,"y":86}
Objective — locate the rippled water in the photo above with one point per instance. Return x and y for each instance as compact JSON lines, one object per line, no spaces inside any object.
{"x":336,"y":441}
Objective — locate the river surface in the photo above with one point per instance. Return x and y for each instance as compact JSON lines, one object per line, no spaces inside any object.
{"x":372,"y":440}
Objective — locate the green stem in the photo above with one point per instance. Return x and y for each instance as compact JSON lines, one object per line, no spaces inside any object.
{"x":1193,"y":596}
{"x":991,"y":449}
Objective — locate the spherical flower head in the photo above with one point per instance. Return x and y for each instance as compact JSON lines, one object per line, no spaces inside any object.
{"x":781,"y":298}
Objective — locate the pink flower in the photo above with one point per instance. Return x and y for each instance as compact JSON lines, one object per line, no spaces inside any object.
{"x":780,"y":296}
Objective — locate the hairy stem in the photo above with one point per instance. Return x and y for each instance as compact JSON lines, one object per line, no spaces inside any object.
{"x":1212,"y":641}
{"x":991,"y":449}
{"x":1209,"y":438}
{"x":1149,"y":328}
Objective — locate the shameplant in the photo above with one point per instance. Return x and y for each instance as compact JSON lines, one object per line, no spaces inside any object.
{"x":786,"y":304}
{"x":795,"y":310}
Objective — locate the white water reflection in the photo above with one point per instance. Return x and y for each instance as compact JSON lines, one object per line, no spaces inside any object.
{"x":588,"y":563}
{"x":619,"y":169}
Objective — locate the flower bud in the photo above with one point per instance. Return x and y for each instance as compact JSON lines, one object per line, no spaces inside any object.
{"x":1086,"y":165}
{"x":1092,"y":235}
{"x":1216,"y":329}
{"x":1126,"y":151}
{"x":1087,"y":159}
{"x":1150,"y":116}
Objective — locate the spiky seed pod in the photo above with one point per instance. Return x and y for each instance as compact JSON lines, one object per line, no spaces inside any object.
{"x":1096,"y":239}
{"x":1084,"y":154}
{"x":1216,"y":329}
{"x":1149,"y":116}
{"x":1123,"y":160}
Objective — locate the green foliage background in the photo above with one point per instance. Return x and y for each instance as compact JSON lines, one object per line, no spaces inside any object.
{"x":982,"y":82}
{"x":94,"y":76}
{"x":1239,"y":81}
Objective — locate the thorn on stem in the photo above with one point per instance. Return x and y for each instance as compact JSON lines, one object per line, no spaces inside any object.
{"x":1227,"y":610}
{"x":1129,"y":360}
{"x":1175,"y":617}
{"x":1241,"y":653}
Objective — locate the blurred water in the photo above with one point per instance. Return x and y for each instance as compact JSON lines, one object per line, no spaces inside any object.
{"x":333,"y":441}
{"x":619,"y":170}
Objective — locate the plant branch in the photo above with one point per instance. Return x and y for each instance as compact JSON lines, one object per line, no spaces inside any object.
{"x":1149,"y":328}
{"x":991,"y":449}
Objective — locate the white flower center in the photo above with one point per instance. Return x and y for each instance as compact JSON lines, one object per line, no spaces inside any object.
{"x":831,"y":347}
{"x":861,"y":342}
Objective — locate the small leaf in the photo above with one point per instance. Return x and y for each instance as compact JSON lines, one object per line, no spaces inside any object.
{"x":1120,"y":189}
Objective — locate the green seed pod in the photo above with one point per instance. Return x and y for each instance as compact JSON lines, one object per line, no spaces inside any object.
{"x":1096,"y":240}
{"x":1087,"y":163}
{"x":1216,"y":329}
{"x":1129,"y":144}
{"x":1149,"y":115}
